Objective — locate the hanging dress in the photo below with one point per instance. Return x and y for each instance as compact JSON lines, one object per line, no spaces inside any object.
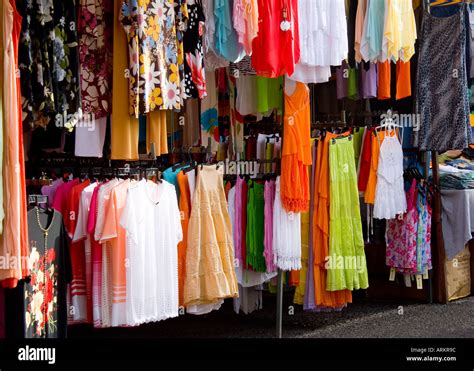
{"x":11,"y":244}
{"x":194,"y":73}
{"x":442,"y":98}
{"x":276,"y":51}
{"x":210,"y":275}
{"x":322,"y":296}
{"x":41,"y":301}
{"x":401,"y":236}
{"x":296,"y":155}
{"x":390,"y":199}
{"x":346,"y":243}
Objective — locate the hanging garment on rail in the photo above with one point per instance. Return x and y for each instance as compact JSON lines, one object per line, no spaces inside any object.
{"x":255,"y":226}
{"x":296,"y":155}
{"x":286,"y":235}
{"x":269,"y":195}
{"x":322,"y":38}
{"x":226,"y":41}
{"x":210,"y":244}
{"x":401,"y":235}
{"x":245,"y":21}
{"x":124,"y":127}
{"x":152,"y":220}
{"x":14,"y":241}
{"x":37,"y":308}
{"x":81,"y":234}
{"x":78,"y":289}
{"x":346,"y":243}
{"x":195,"y":75}
{"x":390,"y":199}
{"x":276,"y":48}
{"x":145,"y":34}
{"x":441,"y":94}
{"x":114,"y":238}
{"x":49,"y":65}
{"x":321,"y":219}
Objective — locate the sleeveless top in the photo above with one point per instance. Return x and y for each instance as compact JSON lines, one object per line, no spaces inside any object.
{"x":389,"y":193}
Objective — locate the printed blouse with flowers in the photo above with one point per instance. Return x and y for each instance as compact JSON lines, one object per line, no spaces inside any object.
{"x":153,"y":74}
{"x":48,"y":60}
{"x":195,"y":76}
{"x":95,"y":30}
{"x":181,"y":20}
{"x":44,"y":293}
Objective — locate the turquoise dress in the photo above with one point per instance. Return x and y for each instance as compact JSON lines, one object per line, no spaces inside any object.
{"x":375,"y":27}
{"x":226,"y":40}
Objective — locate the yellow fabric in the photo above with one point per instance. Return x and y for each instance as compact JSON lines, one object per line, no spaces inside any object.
{"x":210,"y":274}
{"x":124,"y":128}
{"x":300,"y":290}
{"x":400,"y":30}
{"x":156,"y":132}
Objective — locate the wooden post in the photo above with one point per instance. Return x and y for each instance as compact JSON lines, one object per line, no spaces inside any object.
{"x":437,"y":241}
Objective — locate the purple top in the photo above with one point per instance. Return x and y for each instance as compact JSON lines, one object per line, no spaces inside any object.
{"x":368,"y":84}
{"x":342,"y":80}
{"x":238,"y":221}
{"x":51,"y":190}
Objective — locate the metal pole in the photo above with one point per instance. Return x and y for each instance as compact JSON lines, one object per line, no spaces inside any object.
{"x":279,"y":319}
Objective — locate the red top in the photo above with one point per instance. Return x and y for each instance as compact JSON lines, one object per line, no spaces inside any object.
{"x":275,"y":52}
{"x":365,"y":160}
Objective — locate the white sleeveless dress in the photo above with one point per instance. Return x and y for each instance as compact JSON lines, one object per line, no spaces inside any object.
{"x":390,"y":199}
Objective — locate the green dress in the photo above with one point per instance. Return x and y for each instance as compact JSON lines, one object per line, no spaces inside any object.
{"x":255,"y":227}
{"x":346,"y":267}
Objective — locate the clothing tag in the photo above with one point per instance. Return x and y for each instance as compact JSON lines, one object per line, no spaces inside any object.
{"x":426,"y":276}
{"x":419,"y":282}
{"x":406,"y":278}
{"x":392,"y":274}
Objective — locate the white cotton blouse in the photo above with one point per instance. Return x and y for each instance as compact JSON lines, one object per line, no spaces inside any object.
{"x":323,"y":39}
{"x":152,"y":221}
{"x":390,"y":199}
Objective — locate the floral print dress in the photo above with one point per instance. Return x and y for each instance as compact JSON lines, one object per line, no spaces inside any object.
{"x":95,"y":29}
{"x":401,"y":236}
{"x":195,"y":77}
{"x":48,"y":60}
{"x":38,"y":305}
{"x":154,"y":74}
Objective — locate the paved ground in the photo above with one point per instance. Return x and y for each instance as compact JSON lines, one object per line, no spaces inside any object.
{"x":360,"y":320}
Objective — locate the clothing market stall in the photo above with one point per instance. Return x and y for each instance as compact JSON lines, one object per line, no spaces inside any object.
{"x":164,"y":158}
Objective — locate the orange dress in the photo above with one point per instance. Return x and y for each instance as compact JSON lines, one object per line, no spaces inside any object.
{"x":369,"y":197}
{"x":296,"y":153}
{"x":14,"y":239}
{"x":324,"y":298}
{"x":185,"y":211}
